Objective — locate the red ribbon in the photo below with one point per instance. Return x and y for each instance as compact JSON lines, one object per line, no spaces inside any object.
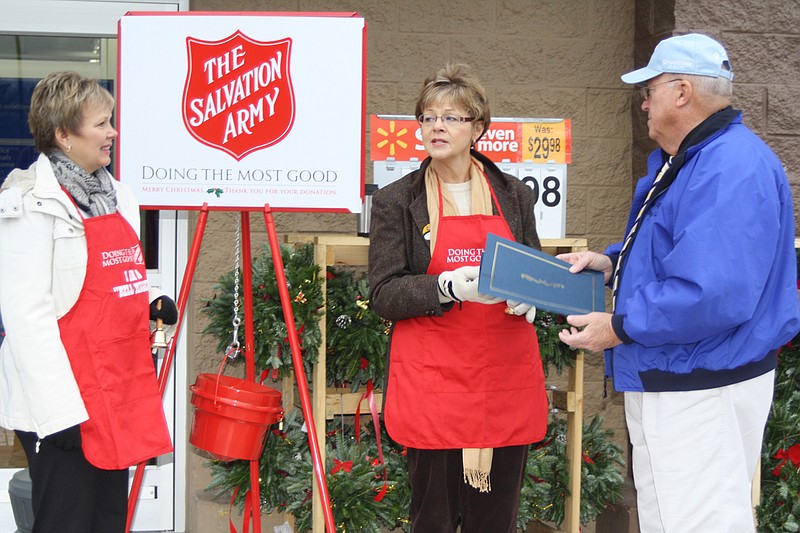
{"x":246,"y":516}
{"x":792,"y":454}
{"x":373,"y":409}
{"x":338,"y":465}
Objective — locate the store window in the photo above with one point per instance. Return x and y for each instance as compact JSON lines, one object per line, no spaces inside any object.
{"x":24,"y":60}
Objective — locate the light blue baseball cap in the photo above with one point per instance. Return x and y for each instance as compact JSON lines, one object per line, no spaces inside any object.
{"x":693,"y":53}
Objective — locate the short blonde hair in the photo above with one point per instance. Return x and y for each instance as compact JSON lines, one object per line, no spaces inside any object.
{"x":58,"y":101}
{"x":455,"y":82}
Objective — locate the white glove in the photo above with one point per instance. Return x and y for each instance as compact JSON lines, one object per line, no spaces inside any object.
{"x":461,"y":285}
{"x":519,"y":309}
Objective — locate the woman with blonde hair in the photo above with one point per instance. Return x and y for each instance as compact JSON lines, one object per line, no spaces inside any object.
{"x":77,"y":383}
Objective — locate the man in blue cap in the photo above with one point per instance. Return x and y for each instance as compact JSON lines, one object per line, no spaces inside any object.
{"x":704,"y":294}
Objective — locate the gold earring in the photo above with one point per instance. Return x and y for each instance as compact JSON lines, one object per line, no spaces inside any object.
{"x":69,"y":148}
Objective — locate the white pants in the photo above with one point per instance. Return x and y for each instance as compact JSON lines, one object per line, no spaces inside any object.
{"x":694,"y":456}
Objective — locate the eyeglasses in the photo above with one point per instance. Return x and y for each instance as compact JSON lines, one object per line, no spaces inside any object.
{"x":447,"y":120}
{"x":645,"y":91}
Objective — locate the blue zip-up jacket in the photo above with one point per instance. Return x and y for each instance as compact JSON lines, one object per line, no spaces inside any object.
{"x":708,"y":290}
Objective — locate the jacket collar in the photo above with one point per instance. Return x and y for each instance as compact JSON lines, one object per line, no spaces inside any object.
{"x":709,"y":129}
{"x":46,"y":185}
{"x":700,"y":136}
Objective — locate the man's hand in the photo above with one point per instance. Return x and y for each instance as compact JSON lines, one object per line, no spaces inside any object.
{"x":461,"y":285}
{"x":596,"y":335}
{"x":591,"y":260}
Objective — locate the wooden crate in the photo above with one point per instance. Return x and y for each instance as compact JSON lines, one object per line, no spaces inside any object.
{"x":343,"y":402}
{"x":334,"y":249}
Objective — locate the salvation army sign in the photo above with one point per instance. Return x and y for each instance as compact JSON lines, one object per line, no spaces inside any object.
{"x":238,"y":94}
{"x":239,"y":110}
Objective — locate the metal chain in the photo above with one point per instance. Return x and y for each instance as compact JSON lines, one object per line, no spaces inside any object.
{"x":234,"y":348}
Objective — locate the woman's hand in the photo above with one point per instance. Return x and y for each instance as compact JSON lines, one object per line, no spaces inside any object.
{"x":461,"y":285}
{"x":520,"y":309}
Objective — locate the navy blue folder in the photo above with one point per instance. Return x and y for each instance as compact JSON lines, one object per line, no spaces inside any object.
{"x":517,"y":272}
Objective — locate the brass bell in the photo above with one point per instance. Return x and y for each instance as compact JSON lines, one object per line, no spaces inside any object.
{"x":158,"y":339}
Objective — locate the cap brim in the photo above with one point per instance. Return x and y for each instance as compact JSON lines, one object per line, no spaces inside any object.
{"x":640,"y":76}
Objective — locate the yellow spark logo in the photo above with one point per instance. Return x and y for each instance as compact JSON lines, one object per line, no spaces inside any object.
{"x":392,"y":138}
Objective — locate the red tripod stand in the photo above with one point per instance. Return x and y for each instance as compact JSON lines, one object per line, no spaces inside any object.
{"x":302,"y":382}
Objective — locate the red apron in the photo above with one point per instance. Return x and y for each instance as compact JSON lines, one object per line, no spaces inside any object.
{"x":106,"y":336}
{"x":471,"y":378}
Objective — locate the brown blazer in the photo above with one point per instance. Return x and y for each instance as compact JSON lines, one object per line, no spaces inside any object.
{"x":399,"y":255}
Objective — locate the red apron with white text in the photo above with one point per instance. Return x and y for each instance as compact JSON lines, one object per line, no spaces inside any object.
{"x":107,"y":338}
{"x":471,"y":378}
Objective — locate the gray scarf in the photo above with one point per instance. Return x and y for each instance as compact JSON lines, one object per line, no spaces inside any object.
{"x":93,"y":193}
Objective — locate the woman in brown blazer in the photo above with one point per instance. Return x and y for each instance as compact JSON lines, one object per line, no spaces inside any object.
{"x":465,"y":389}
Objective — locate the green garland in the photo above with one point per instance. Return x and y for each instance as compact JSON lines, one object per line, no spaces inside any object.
{"x":547,"y":480}
{"x":553,"y":352}
{"x":356,"y":336}
{"x":356,"y":350}
{"x":779,"y":510}
{"x":353,"y":473}
{"x":272,"y":349}
{"x":355,"y":479}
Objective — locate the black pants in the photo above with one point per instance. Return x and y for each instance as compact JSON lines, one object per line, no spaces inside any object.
{"x":440,"y":499}
{"x":69,"y":494}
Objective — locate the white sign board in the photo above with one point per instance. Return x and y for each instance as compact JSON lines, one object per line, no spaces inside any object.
{"x":239,"y":110}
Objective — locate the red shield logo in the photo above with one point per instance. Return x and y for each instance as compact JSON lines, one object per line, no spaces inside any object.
{"x":238,"y":95}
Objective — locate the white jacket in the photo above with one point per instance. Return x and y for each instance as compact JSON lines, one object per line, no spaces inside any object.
{"x":42,"y":268}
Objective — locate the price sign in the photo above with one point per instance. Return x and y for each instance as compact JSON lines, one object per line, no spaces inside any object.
{"x":547,"y":142}
{"x":535,"y":150}
{"x":549,"y":185}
